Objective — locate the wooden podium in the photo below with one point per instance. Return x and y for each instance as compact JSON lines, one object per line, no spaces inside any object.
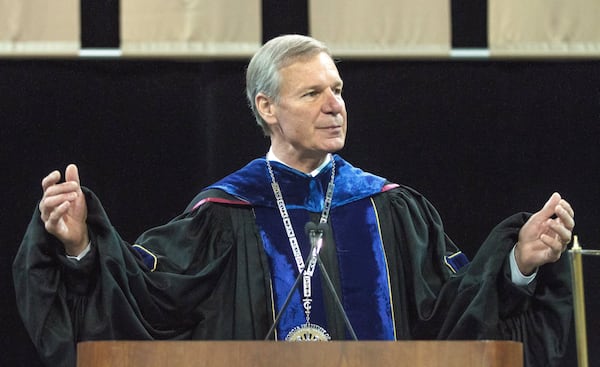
{"x":289,"y":354}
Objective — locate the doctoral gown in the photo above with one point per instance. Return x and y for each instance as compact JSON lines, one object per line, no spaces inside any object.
{"x":222,"y":269}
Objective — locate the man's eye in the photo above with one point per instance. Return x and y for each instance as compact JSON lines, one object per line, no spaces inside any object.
{"x":312,"y":93}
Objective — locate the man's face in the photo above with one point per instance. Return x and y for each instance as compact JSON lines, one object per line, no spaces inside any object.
{"x":310,"y":118}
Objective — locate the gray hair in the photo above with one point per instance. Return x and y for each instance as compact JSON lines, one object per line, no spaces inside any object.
{"x":262,"y":75}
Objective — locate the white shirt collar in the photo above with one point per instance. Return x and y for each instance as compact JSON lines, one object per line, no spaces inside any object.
{"x":272,"y":157}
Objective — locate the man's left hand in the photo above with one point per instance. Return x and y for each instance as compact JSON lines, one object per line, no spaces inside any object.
{"x":545,"y":236}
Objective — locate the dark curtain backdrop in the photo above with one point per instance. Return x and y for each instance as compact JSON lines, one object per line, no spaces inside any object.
{"x":481,"y":139}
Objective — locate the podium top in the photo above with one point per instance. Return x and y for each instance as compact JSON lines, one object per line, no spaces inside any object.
{"x":271,"y":353}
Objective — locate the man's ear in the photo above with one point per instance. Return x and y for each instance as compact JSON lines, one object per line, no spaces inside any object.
{"x":266,"y":108}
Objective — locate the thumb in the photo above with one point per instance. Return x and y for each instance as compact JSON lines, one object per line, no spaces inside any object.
{"x":72,"y":173}
{"x":550,"y":207}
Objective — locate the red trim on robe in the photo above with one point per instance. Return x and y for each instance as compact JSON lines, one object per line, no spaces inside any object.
{"x":220,"y":201}
{"x":389,"y":187}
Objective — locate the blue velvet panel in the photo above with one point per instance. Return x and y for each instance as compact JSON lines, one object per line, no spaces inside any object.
{"x":284,"y":269}
{"x":363,"y":271}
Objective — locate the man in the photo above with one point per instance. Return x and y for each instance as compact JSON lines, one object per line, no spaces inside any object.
{"x":225,"y":267}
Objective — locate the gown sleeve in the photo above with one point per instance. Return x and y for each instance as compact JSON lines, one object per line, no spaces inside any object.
{"x":479,"y":300}
{"x":112,"y":293}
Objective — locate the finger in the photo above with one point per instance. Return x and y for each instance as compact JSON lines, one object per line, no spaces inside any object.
{"x":52,"y":178}
{"x":52,"y":223}
{"x":562,"y":234}
{"x":72,"y":173}
{"x":565,"y":205}
{"x":62,"y":188}
{"x":55,"y":195}
{"x":565,"y":217}
{"x":51,"y":202}
{"x":555,"y":247}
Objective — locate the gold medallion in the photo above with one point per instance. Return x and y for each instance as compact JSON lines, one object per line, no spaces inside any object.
{"x":308,"y":333}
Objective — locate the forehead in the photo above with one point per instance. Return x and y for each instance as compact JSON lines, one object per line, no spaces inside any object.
{"x":316,"y":69}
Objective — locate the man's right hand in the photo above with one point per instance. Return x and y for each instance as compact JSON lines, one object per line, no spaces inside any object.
{"x":64,"y":210}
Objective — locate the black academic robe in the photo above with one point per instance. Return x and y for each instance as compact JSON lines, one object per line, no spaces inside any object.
{"x":206,"y":275}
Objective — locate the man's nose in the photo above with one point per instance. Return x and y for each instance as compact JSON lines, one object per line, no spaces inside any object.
{"x":334,"y":102}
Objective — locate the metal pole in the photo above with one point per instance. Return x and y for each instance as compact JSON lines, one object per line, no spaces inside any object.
{"x":579,"y":303}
